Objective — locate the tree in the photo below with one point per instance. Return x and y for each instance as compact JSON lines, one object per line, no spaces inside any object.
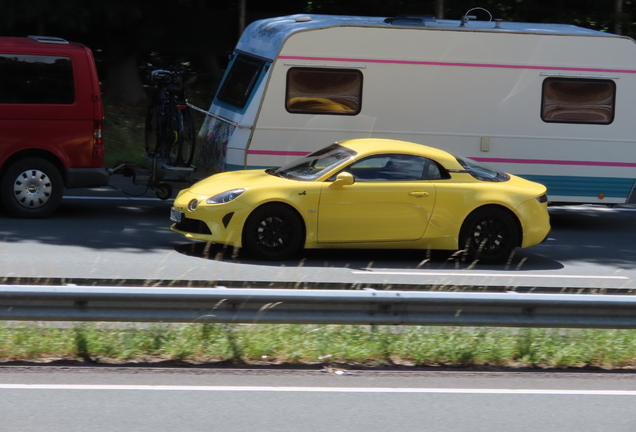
{"x":120,"y":32}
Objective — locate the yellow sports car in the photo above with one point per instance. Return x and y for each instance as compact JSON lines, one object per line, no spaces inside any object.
{"x":367,"y":193}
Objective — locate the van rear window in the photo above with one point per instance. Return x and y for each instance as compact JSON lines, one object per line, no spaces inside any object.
{"x":36,"y":79}
{"x":573,"y":100}
{"x":324,"y":91}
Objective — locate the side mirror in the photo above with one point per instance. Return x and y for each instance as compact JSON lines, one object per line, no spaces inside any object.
{"x":343,"y":179}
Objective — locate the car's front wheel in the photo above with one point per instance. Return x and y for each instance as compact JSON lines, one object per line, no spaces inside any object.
{"x":273,"y":232}
{"x":31,"y":188}
{"x":489,"y":235}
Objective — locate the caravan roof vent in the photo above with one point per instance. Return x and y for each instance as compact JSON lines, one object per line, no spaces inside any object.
{"x":302,"y":18}
{"x":49,"y":39}
{"x":467,"y":17}
{"x":411,"y":20}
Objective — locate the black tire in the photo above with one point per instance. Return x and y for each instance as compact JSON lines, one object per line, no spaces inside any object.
{"x":489,"y":235}
{"x":163,"y":191}
{"x":152,"y":131}
{"x":31,"y":188}
{"x":187,"y":140}
{"x":273,"y":232}
{"x":171,"y":141}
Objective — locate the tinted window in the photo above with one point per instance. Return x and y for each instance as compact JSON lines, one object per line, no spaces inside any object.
{"x":481,"y":171}
{"x":240,"y":81}
{"x":324,"y":91}
{"x":29,"y":79}
{"x":567,"y":100}
{"x":394,"y":167}
{"x":313,"y":166}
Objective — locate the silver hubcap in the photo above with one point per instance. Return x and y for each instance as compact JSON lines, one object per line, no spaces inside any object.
{"x":32,"y":188}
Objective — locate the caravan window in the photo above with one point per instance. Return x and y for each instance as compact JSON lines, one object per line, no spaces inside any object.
{"x":567,"y":100}
{"x":324,"y":91}
{"x":240,"y":81}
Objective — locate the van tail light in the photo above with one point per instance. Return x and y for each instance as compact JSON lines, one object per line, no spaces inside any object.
{"x":98,"y":145}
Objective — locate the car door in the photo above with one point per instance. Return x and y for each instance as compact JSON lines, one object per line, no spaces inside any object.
{"x":388,"y":202}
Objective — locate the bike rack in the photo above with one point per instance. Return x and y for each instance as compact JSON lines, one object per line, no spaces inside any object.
{"x":160,"y":177}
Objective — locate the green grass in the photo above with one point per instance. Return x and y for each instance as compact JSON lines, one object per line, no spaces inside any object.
{"x":355,"y":346}
{"x":124,"y":134}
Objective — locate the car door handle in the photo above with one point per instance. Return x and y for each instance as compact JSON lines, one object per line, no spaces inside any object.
{"x":419,"y":194}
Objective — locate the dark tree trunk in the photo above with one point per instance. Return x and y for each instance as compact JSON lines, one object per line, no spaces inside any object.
{"x":439,"y":9}
{"x":124,"y":83}
{"x":618,"y":14}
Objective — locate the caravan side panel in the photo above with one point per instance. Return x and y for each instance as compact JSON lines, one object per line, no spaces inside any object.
{"x":474,"y":93}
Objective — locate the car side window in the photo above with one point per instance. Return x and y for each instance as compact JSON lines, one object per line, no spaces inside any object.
{"x":432,"y":171}
{"x":394,"y":167}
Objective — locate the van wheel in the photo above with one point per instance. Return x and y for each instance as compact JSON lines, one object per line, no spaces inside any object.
{"x":273,"y":232}
{"x":489,"y":235}
{"x":31,"y":188}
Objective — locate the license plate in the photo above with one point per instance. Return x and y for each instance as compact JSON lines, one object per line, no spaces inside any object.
{"x":175,"y":215}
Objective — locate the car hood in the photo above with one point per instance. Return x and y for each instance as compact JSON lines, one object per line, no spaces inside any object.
{"x":237,"y":179}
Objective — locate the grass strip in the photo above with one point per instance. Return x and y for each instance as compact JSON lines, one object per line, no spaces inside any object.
{"x":355,"y":346}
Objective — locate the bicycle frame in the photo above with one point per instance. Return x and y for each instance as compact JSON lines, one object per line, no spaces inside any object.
{"x":174,"y":126}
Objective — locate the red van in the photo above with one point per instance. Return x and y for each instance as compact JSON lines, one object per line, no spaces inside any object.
{"x":51,"y":120}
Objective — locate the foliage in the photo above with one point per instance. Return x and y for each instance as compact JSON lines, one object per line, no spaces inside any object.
{"x":204,"y":32}
{"x":321,"y":344}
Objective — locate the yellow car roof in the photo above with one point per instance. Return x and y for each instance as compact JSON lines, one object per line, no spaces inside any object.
{"x":370,"y":146}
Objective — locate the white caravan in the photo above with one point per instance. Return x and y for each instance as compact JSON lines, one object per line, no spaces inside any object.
{"x":552,"y":103}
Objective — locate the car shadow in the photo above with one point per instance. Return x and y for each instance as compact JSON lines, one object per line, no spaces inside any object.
{"x":367,"y":259}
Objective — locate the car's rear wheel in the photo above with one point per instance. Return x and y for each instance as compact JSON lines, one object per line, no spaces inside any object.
{"x":273,"y":232}
{"x":489,"y":235}
{"x":31,"y":188}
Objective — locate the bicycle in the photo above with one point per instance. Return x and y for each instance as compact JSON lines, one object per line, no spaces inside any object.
{"x":170,"y":131}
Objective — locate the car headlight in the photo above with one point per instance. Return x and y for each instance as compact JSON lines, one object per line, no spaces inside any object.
{"x":226,"y":196}
{"x":543,"y":198}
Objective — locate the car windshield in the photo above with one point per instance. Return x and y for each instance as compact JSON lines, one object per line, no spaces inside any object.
{"x":314,"y":165}
{"x":481,"y":171}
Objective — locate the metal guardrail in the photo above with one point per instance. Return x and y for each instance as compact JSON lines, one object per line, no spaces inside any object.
{"x":366,"y":306}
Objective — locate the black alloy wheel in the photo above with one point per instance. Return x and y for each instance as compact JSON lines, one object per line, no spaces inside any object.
{"x":489,"y":235}
{"x":273,"y":232}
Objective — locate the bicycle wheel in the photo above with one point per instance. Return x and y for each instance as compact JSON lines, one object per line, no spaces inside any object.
{"x":171,"y":146}
{"x":187,"y":139}
{"x":152,"y":135}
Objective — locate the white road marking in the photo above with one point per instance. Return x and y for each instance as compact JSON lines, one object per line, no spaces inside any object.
{"x":116,"y":198}
{"x":318,"y":389}
{"x":469,"y":274}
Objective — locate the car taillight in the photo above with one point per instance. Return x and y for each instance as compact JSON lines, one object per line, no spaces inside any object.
{"x":543,"y":198}
{"x":97,"y":133}
{"x":98,"y":145}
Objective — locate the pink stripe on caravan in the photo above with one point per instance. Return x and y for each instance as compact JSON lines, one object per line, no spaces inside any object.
{"x":479,"y":159}
{"x":556,"y":162}
{"x":277,"y":153}
{"x":480,"y":65}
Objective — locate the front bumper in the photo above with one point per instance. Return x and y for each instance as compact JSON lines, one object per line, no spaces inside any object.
{"x":217,"y":223}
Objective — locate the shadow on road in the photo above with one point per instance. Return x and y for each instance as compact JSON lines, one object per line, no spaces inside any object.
{"x":101,"y":225}
{"x":371,"y":259}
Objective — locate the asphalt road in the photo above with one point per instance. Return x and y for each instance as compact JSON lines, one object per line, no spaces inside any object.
{"x":58,"y":399}
{"x":107,"y":234}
